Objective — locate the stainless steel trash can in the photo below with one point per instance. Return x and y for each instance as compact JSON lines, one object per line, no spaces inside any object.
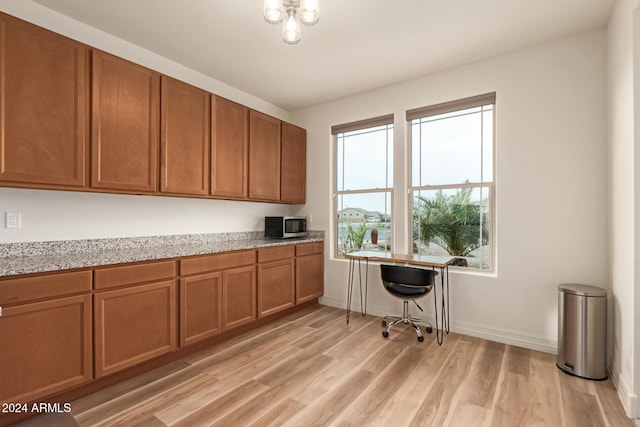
{"x":582,"y":330}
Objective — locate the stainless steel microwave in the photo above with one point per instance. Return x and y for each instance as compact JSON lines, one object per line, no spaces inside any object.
{"x":285,"y":227}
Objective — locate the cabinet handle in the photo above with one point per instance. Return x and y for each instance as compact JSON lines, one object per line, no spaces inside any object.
{"x":0,"y":311}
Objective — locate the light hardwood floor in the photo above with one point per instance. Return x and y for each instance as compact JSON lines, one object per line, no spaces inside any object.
{"x":310,"y":368}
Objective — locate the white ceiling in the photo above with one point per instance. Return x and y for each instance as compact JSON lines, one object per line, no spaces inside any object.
{"x":358,"y":45}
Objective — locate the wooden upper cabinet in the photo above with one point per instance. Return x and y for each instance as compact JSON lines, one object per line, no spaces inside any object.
{"x":125,"y":125}
{"x":264,"y":157}
{"x":229,"y":149}
{"x":184,"y":138}
{"x":44,"y":114}
{"x":294,"y":164}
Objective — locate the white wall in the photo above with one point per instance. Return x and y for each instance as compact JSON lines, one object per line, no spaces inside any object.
{"x":58,"y":215}
{"x":65,"y":215}
{"x":623,"y":63}
{"x":551,"y":183}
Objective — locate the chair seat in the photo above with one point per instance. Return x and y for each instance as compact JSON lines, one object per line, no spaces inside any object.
{"x":407,"y":291}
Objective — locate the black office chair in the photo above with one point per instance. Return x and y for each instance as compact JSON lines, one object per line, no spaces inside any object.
{"x":408,"y":284}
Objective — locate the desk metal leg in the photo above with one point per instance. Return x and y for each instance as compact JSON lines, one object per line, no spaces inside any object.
{"x":439,"y":334}
{"x":350,"y":287}
{"x":363,"y":295}
{"x":363,"y":301}
{"x":444,"y":307}
{"x":445,"y":283}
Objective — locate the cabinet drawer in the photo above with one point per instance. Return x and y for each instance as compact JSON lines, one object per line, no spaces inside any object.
{"x":136,"y":273}
{"x":206,"y":263}
{"x":309,"y":248}
{"x":38,"y":287}
{"x":279,"y":252}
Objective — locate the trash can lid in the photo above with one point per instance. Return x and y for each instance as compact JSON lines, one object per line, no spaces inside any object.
{"x":582,"y":290}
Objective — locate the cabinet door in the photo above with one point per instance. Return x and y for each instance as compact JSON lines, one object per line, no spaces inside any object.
{"x":264,"y":157}
{"x":200,"y":307}
{"x":229,"y":149}
{"x":294,"y":164}
{"x":133,"y":325}
{"x":238,"y":296}
{"x":46,"y":348}
{"x":184,"y":138}
{"x":124,"y":129}
{"x":276,"y":287}
{"x":44,"y":98}
{"x":309,"y":277}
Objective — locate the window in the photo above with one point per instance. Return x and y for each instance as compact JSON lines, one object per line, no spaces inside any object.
{"x":452,"y":181}
{"x":363,"y":185}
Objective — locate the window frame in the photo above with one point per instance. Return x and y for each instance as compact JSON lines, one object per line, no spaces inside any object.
{"x":444,"y":108}
{"x":388,"y":121}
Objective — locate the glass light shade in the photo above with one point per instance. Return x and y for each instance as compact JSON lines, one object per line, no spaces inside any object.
{"x":273,"y":11}
{"x":291,"y":27}
{"x":309,"y":11}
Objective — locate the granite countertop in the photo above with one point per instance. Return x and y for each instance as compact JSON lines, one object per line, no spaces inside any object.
{"x":39,"y":257}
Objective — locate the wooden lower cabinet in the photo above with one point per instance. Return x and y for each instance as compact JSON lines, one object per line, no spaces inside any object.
{"x":46,"y":348}
{"x":309,"y":271}
{"x":65,"y":330}
{"x":200,"y":307}
{"x":238,"y":296}
{"x":276,"y":287}
{"x":276,"y":279}
{"x":133,"y":325}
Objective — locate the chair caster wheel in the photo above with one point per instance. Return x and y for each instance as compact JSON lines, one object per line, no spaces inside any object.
{"x":420,"y":339}
{"x":385,"y":334}
{"x":429,"y":329}
{"x":384,"y":324}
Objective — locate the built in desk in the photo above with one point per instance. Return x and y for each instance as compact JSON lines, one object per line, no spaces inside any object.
{"x":441,"y":263}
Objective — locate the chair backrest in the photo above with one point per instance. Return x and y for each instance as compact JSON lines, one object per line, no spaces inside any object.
{"x":410,"y":276}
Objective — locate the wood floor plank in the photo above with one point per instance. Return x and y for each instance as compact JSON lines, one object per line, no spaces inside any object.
{"x":579,"y":405}
{"x":348,"y":355}
{"x":512,"y":405}
{"x":479,"y":388}
{"x":468,"y":414}
{"x":96,"y":399}
{"x":279,"y":414}
{"x":401,"y":408}
{"x":224,"y":385}
{"x":366,"y":408}
{"x":327,"y":408}
{"x":283,"y":382}
{"x":217,"y":409}
{"x":183,"y":382}
{"x":546,"y":399}
{"x":311,"y":368}
{"x":437,"y":404}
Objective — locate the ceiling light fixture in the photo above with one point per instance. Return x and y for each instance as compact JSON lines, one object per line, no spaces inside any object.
{"x":291,"y":13}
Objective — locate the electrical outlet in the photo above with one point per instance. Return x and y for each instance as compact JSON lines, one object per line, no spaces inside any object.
{"x":309,"y":218}
{"x":13,"y":220}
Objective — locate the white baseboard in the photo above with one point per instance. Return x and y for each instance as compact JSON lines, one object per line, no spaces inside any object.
{"x":629,"y":400}
{"x":503,"y":336}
